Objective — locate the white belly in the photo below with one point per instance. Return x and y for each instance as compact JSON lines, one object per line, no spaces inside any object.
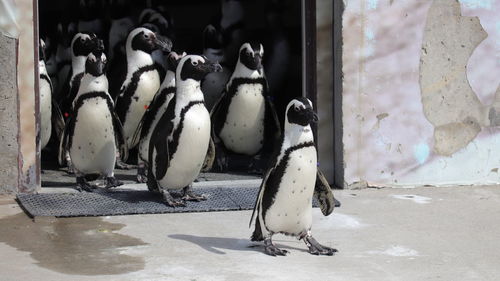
{"x":93,"y":149}
{"x":144,"y":142}
{"x":186,"y":163}
{"x":148,"y":85}
{"x":243,"y":131}
{"x":291,"y":211}
{"x":45,"y":113}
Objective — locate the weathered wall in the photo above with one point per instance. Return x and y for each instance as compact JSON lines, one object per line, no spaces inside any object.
{"x":324,"y":13}
{"x":419,"y":102}
{"x":8,"y":115}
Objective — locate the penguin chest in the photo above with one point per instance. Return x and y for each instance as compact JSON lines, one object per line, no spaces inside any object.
{"x":93,"y":141}
{"x":291,"y":210}
{"x":147,"y":86}
{"x":243,"y":130}
{"x":45,"y":112}
{"x":192,"y":146}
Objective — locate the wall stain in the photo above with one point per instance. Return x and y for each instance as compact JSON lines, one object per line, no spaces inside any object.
{"x":76,"y":246}
{"x":449,"y":103}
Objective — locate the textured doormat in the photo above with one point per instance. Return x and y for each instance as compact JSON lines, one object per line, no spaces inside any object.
{"x":126,"y":202}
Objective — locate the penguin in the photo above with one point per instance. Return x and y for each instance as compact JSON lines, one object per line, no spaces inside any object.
{"x":82,"y":45}
{"x":245,"y":121}
{"x":142,"y":80}
{"x":213,"y":49}
{"x":181,"y":138}
{"x":94,"y":131}
{"x":65,"y":34}
{"x":284,"y":202}
{"x":45,"y":103}
{"x":154,"y":113}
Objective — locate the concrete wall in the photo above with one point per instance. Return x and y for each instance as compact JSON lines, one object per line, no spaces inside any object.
{"x":17,"y":108}
{"x":8,"y":115}
{"x":421,"y":98}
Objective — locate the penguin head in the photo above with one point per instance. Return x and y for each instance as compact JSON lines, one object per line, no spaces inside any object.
{"x":173,"y":60}
{"x":251,"y":55}
{"x":84,"y":43}
{"x":300,"y":112}
{"x":41,"y":50}
{"x":212,"y":38}
{"x":195,"y":67}
{"x":96,"y":63}
{"x":145,"y":40}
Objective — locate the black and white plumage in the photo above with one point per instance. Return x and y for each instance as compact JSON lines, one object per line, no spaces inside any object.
{"x":45,"y":86}
{"x":213,"y":49}
{"x":93,"y":131}
{"x":155,"y":111}
{"x":181,"y":139}
{"x":142,"y":79}
{"x":82,"y":45}
{"x":284,"y":203}
{"x":245,"y":120}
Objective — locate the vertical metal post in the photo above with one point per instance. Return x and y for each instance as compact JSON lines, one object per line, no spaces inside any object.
{"x":309,"y":53}
{"x":338,"y":132}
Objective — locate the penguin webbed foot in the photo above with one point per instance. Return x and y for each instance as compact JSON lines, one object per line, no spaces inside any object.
{"x":171,"y":201}
{"x":272,"y":250}
{"x":83,"y":185}
{"x":317,"y":249}
{"x":124,"y":166}
{"x":112,"y":182}
{"x":141,"y":175}
{"x":189,"y":195}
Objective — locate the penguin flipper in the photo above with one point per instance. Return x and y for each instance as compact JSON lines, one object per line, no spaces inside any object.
{"x":159,"y":143}
{"x":272,"y":128}
{"x":261,"y":193}
{"x":64,"y":144}
{"x":323,"y":193}
{"x":57,"y":119}
{"x":210,"y":158}
{"x":118,"y":130}
{"x":218,"y":114}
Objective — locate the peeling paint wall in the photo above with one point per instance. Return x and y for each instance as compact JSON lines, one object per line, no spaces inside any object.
{"x":421,"y":99}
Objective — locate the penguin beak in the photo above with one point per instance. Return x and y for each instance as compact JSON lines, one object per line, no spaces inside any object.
{"x":312,"y":117}
{"x":162,"y":43}
{"x":258,"y":61}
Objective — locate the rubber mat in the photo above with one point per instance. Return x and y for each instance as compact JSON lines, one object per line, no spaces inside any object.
{"x":127,"y":202}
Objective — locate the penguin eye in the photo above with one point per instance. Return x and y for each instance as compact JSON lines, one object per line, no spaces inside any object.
{"x":146,"y":36}
{"x":295,"y":108}
{"x":82,"y":40}
{"x":195,"y":63}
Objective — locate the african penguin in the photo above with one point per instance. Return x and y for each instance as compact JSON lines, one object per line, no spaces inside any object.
{"x":155,"y":111}
{"x":245,"y":121}
{"x":213,"y":49}
{"x":45,"y":103}
{"x":93,"y":130}
{"x":65,"y":33}
{"x":82,"y":45}
{"x":181,"y":138}
{"x":142,"y":79}
{"x":284,"y":202}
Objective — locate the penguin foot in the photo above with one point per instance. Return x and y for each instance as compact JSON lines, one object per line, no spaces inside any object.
{"x":141,"y":175}
{"x":317,"y":249}
{"x":272,"y":250}
{"x":70,"y":170}
{"x":189,"y":195}
{"x":170,"y":201}
{"x":124,"y":166}
{"x":83,"y":185}
{"x":112,"y":182}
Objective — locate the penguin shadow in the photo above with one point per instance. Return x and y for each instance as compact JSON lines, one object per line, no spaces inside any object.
{"x":216,"y":245}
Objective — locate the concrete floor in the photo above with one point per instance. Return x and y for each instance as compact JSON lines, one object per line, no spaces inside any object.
{"x":382,"y":234}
